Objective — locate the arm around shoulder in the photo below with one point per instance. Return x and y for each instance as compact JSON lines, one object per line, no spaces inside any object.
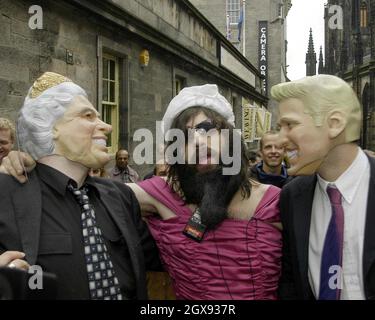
{"x":146,"y":202}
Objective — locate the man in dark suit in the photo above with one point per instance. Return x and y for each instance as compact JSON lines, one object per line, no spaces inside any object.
{"x":87,"y":231}
{"x":327,"y":214}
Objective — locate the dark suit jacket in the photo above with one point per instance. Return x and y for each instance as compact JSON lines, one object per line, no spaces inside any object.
{"x":20,"y":218}
{"x":295,"y":208}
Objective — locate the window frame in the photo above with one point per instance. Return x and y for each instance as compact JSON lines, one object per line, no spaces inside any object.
{"x":233,"y":9}
{"x":114,"y":105}
{"x":363,"y":15}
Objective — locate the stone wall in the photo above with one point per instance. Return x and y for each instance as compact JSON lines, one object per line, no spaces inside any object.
{"x":25,"y":54}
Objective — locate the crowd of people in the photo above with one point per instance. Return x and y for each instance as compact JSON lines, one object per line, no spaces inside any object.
{"x":295,"y":221}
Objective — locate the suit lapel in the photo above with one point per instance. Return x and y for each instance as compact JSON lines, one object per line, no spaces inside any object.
{"x":27,"y":201}
{"x":369,"y":242}
{"x":302,"y":206}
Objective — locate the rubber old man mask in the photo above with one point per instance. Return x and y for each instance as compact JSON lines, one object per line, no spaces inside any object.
{"x":57,"y":119}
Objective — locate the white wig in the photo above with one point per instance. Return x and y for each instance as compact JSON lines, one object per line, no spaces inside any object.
{"x":38,"y":116}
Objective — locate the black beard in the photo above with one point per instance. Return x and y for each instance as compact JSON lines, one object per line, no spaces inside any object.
{"x":211,"y":191}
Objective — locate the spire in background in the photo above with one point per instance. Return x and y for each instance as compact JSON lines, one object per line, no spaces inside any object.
{"x":311,"y":57}
{"x":321,"y":63}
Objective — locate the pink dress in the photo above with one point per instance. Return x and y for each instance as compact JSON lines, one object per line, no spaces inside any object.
{"x":239,"y":260}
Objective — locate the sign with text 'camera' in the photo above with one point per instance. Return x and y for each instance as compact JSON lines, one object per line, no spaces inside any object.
{"x":263,"y":54}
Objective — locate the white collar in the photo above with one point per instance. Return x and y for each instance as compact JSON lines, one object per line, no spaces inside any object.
{"x":349,"y":181}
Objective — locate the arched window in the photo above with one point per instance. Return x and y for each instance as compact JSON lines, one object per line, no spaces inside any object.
{"x":364,"y":15}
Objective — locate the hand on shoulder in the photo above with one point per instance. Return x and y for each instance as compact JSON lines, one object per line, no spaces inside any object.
{"x":16,"y":163}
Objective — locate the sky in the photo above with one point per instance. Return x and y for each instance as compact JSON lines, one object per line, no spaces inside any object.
{"x":303,"y":15}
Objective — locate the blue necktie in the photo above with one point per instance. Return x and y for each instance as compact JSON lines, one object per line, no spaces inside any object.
{"x":331,"y":265}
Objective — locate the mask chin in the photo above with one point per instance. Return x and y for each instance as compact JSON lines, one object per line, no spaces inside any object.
{"x":88,"y":163}
{"x":306,"y":170}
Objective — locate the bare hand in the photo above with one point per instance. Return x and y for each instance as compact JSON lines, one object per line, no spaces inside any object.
{"x":13,"y":259}
{"x":12,"y":165}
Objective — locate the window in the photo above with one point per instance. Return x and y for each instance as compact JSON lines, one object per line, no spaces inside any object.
{"x":110,"y":99}
{"x":280,"y":11}
{"x":180,"y":83}
{"x":233,"y":10}
{"x":363,"y":15}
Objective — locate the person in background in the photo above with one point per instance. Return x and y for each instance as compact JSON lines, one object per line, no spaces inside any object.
{"x":161,"y":170}
{"x":253,"y":159}
{"x":7,"y":137}
{"x":271,"y":170}
{"x":122,"y":171}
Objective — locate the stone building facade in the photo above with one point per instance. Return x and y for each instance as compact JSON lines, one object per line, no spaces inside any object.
{"x":131,"y":56}
{"x":270,"y":14}
{"x":350,"y":54}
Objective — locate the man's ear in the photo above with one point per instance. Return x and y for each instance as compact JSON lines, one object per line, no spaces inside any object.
{"x":337,"y":122}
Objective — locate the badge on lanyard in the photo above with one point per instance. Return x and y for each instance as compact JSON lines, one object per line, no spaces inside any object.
{"x":195,"y":229}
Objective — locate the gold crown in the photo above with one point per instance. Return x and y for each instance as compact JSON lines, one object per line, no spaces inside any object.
{"x":45,"y":81}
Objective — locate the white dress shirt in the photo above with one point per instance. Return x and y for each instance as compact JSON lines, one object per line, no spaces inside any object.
{"x":353,"y":185}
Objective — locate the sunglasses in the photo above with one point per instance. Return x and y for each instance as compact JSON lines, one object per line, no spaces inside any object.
{"x":204,"y":126}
